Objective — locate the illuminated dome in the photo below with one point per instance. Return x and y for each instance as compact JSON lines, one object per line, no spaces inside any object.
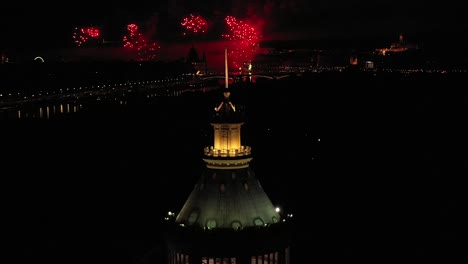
{"x":228,"y":198}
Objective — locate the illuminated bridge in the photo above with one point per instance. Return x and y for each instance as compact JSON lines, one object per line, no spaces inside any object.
{"x":239,"y":77}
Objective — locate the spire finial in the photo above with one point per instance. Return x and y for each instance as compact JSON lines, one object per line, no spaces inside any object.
{"x":226,"y":78}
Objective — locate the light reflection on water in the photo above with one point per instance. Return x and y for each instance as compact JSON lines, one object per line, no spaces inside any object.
{"x":57,"y":109}
{"x":48,"y":111}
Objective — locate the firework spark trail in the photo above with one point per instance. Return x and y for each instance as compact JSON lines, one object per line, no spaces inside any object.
{"x":146,"y":50}
{"x":194,"y":24}
{"x":82,"y":35}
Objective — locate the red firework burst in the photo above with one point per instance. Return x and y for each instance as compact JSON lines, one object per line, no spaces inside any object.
{"x":82,"y":35}
{"x":245,"y":39}
{"x":194,"y":24}
{"x":135,"y":40}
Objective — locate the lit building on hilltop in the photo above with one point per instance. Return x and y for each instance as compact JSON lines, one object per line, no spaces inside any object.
{"x":399,"y":46}
{"x":369,"y":65}
{"x":353,"y":60}
{"x":228,"y":218}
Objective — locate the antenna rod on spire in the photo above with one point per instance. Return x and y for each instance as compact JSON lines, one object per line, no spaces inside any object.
{"x":226,"y":79}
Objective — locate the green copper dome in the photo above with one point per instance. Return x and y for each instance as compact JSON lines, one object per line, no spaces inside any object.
{"x":228,"y":198}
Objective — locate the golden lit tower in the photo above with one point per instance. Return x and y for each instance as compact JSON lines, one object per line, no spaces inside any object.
{"x":228,"y":218}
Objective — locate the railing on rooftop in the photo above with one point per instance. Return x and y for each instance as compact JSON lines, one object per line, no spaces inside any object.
{"x":242,"y":151}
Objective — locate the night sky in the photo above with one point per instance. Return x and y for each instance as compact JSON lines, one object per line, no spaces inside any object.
{"x":47,"y":24}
